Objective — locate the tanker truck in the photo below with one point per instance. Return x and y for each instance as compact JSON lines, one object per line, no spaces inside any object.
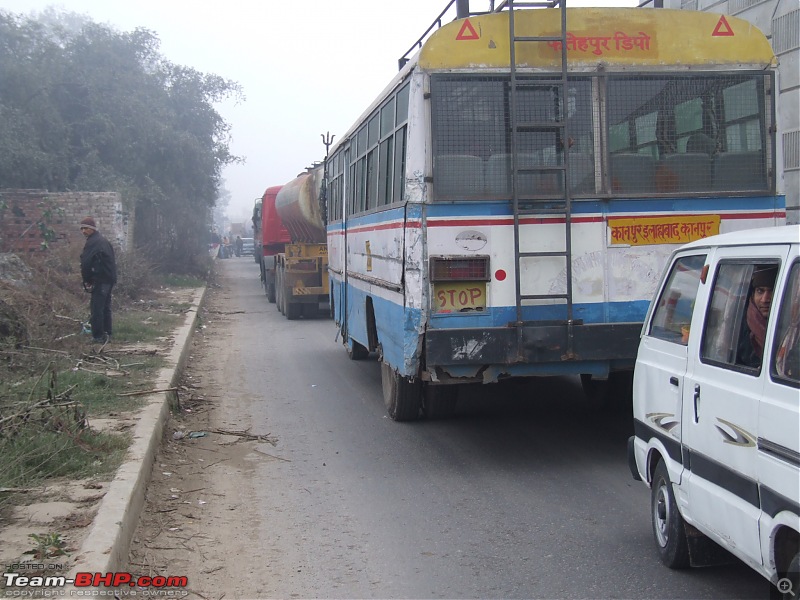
{"x":301,"y":270}
{"x":271,"y":240}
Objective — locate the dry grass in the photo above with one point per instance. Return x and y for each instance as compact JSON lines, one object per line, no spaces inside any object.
{"x":51,"y":376}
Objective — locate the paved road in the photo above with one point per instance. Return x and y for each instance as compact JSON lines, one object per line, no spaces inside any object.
{"x":524,"y":493}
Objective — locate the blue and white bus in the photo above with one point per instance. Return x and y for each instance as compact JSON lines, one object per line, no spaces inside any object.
{"x":506,"y":209}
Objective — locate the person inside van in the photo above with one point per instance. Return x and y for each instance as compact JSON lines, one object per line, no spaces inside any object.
{"x":754,"y":328}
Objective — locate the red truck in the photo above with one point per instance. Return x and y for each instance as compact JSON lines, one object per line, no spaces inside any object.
{"x":271,"y":238}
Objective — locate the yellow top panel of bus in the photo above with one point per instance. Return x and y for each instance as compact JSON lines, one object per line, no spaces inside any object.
{"x":613,"y":36}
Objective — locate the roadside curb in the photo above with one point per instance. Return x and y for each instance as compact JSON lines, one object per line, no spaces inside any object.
{"x":106,"y":547}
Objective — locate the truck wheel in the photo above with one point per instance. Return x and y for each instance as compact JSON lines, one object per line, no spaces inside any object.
{"x":402,"y":397}
{"x":356,"y":351}
{"x":669,"y":528}
{"x":280,"y":296}
{"x":269,"y":290}
{"x":439,"y":401}
{"x":293,"y":310}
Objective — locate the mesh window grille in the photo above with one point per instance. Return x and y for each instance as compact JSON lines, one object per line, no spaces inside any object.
{"x":472,"y":140}
{"x":687,"y":134}
{"x":665,"y":135}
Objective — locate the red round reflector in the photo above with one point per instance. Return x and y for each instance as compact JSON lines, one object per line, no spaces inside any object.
{"x":500,"y":275}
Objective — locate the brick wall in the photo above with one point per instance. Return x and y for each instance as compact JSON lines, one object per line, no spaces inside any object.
{"x":62,"y":212}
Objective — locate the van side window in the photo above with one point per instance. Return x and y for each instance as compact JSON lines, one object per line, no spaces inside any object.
{"x":735,"y":329}
{"x":673,"y":313}
{"x":785,"y":365}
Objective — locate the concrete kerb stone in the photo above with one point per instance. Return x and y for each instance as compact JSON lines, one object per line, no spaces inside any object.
{"x":106,"y":547}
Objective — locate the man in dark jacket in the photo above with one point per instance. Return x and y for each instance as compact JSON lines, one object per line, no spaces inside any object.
{"x":99,"y":273}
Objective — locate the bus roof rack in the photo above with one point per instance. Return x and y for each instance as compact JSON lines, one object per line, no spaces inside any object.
{"x":462,"y":11}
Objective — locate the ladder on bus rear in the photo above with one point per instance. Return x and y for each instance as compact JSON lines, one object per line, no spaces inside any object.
{"x":555,"y":207}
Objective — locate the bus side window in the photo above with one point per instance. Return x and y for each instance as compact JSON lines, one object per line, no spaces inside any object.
{"x":785,"y":365}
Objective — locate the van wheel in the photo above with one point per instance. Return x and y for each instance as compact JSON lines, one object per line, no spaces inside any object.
{"x":793,"y":575}
{"x":669,"y":528}
{"x":401,"y":395}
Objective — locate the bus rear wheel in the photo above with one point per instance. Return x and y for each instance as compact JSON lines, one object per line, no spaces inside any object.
{"x":616,"y":392}
{"x":439,"y":401}
{"x":402,"y":396}
{"x":356,"y":351}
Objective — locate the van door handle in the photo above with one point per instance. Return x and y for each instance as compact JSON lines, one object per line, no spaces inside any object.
{"x":674,"y":381}
{"x":696,"y":402}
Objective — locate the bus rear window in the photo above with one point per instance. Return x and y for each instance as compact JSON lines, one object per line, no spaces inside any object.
{"x":472,"y":153}
{"x":688,"y":134}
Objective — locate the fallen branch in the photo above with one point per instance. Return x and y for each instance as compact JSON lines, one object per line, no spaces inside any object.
{"x":247,"y":435}
{"x":53,"y":415}
{"x":63,"y":337}
{"x":138,"y":351}
{"x":90,"y":371}
{"x":29,"y":408}
{"x":275,"y":457}
{"x":68,"y":318}
{"x":45,"y":350}
{"x":145,"y":392}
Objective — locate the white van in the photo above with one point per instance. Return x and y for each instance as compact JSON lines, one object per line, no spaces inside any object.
{"x":716,"y":397}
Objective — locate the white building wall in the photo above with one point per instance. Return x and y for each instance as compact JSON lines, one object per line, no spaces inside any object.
{"x":780,"y":21}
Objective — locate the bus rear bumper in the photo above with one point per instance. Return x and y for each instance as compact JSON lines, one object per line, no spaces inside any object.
{"x":541,"y":349}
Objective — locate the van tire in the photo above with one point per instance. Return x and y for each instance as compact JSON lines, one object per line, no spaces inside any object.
{"x":793,"y":575}
{"x":669,"y":528}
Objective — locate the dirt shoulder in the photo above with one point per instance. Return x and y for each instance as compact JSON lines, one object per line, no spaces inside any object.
{"x":199,"y":519}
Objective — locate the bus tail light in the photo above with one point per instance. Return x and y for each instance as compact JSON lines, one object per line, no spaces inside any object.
{"x":460,"y":269}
